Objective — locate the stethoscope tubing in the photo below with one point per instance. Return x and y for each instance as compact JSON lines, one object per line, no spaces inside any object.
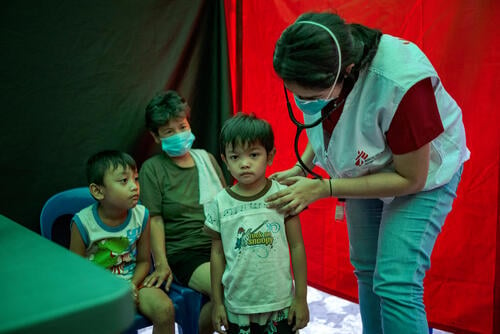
{"x":302,"y":126}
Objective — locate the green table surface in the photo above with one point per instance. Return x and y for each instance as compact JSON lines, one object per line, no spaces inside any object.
{"x":47,"y":289}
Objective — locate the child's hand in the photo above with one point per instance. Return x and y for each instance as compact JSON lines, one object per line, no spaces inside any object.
{"x":219,"y":318}
{"x":300,"y":311}
{"x":135,"y":293}
{"x":161,"y":274}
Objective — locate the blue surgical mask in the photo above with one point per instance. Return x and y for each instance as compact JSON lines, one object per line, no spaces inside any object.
{"x":311,"y":107}
{"x":178,"y":144}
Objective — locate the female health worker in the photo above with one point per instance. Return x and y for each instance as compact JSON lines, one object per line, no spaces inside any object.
{"x":393,"y":142}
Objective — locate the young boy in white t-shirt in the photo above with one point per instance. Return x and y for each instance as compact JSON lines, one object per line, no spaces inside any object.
{"x":252,"y":286}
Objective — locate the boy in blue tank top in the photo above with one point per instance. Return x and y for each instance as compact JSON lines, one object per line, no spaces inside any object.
{"x":114,"y":233}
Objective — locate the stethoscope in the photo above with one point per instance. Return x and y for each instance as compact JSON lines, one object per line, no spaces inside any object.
{"x":325,"y":113}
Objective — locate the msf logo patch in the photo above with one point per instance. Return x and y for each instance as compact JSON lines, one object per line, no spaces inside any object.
{"x":361,"y":158}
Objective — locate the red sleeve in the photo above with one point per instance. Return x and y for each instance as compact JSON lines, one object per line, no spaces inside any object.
{"x":416,"y":121}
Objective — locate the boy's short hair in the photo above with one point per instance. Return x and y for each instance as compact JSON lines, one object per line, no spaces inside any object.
{"x":246,"y":129}
{"x":164,"y":107}
{"x":99,"y":163}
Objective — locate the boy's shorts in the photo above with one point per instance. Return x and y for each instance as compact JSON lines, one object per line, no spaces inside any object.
{"x":260,"y":323}
{"x":183,"y":264}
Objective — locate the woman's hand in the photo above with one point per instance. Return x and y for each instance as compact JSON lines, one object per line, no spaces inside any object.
{"x":161,"y":274}
{"x":285,"y":174}
{"x":300,"y":193}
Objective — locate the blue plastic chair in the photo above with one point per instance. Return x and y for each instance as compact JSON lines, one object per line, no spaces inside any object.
{"x":193,"y":301}
{"x":60,"y":208}
{"x":65,"y":203}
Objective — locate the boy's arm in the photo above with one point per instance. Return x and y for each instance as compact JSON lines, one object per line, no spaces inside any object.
{"x":299,"y":308}
{"x":76,"y":244}
{"x":162,"y":270}
{"x":143,"y":259}
{"x":217,"y":266}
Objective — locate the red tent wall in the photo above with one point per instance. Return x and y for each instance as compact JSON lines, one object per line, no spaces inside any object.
{"x":459,"y":37}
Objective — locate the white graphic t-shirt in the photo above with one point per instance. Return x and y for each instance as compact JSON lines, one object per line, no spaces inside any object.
{"x":257,"y":277}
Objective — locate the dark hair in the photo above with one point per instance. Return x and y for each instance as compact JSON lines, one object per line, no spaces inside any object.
{"x":307,"y":55}
{"x":246,"y":129}
{"x":164,"y":107}
{"x":99,"y":163}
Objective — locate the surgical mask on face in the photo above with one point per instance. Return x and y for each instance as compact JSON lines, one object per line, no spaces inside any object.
{"x":178,"y":144}
{"x":311,"y":107}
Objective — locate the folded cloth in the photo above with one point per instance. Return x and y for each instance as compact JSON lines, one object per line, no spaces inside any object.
{"x":208,"y":178}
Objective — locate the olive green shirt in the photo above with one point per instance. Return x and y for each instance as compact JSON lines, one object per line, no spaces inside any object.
{"x":172,"y":192}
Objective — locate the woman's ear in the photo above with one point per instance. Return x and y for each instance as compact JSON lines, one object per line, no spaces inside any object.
{"x":155,"y":137}
{"x":96,"y":191}
{"x":348,"y":69}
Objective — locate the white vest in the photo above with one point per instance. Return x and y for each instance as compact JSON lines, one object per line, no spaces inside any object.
{"x":358,"y":145}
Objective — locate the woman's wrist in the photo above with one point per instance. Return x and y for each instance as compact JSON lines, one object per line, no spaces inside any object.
{"x":301,"y":168}
{"x":327,"y":187}
{"x":161,"y":265}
